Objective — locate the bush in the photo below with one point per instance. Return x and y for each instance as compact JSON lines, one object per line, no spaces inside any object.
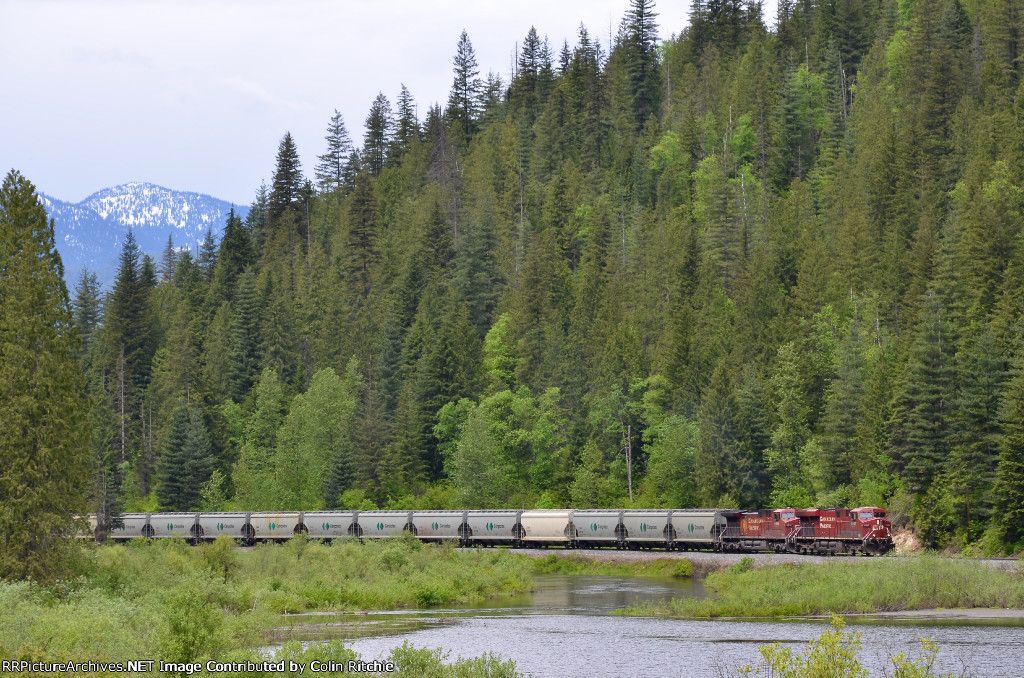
{"x":833,"y":654}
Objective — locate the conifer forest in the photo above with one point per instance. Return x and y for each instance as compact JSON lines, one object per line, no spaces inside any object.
{"x":749,"y":262}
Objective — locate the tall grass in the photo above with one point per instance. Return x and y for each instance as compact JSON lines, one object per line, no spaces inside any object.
{"x":883,"y":584}
{"x":167,"y":600}
{"x":579,"y":565}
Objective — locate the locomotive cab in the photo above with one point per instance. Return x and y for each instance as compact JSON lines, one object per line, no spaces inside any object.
{"x":874,"y":528}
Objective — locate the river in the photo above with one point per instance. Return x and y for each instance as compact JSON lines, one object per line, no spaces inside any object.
{"x":564,"y":628}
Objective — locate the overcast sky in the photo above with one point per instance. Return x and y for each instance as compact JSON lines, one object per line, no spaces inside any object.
{"x":196,"y":94}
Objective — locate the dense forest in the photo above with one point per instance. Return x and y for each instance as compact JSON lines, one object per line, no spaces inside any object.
{"x":749,"y":265}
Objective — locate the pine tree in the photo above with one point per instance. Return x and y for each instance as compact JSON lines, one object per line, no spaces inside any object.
{"x":1009,"y":486}
{"x":378,"y":135}
{"x":723,"y":476}
{"x":233,"y":257}
{"x":245,"y":337}
{"x":330,"y":170}
{"x":44,"y":439}
{"x":87,"y":308}
{"x":362,"y":251}
{"x":642,"y":59}
{"x":207,"y":259}
{"x":168,"y":260}
{"x":407,"y":126}
{"x":287,"y":185}
{"x":130,"y":335}
{"x":464,"y":100}
{"x":171,"y":471}
{"x":974,"y":454}
{"x":256,"y":219}
{"x":285,"y":209}
{"x":919,"y":442}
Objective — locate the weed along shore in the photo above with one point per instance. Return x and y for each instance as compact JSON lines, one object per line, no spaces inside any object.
{"x":168,"y":601}
{"x":881,"y":585}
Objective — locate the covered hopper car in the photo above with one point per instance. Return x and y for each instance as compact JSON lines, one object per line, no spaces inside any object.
{"x":863,"y":530}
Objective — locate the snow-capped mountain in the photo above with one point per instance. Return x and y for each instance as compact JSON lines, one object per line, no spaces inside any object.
{"x":90,"y":233}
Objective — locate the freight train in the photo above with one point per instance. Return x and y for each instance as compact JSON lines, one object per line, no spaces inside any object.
{"x":815,"y":531}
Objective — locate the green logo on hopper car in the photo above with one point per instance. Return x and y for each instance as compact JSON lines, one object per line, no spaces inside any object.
{"x":643,"y":527}
{"x":490,"y":526}
{"x":326,"y":526}
{"x":170,"y":527}
{"x":220,"y":526}
{"x":593,"y":527}
{"x":380,"y":526}
{"x":434,"y":525}
{"x":690,"y":527}
{"x":273,"y":526}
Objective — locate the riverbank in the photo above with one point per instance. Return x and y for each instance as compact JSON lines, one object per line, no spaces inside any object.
{"x":861,"y":586}
{"x":167,"y":600}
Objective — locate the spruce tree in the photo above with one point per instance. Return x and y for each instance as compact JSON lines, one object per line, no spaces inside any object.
{"x":44,"y":440}
{"x":168,"y":260}
{"x":287,"y":185}
{"x":285,"y":208}
{"x":207,"y":259}
{"x":87,"y":308}
{"x":130,"y":337}
{"x":364,"y":223}
{"x":378,"y":134}
{"x":464,"y":100}
{"x":1009,"y":485}
{"x":330,"y":170}
{"x":919,"y":429}
{"x":642,"y":59}
{"x":407,"y":126}
{"x":171,"y":472}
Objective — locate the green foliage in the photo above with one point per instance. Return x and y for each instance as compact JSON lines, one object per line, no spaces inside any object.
{"x":45,"y":434}
{"x":922,"y":583}
{"x":833,"y":654}
{"x":778,"y":265}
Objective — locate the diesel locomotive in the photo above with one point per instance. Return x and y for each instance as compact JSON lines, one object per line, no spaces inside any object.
{"x":863,"y":530}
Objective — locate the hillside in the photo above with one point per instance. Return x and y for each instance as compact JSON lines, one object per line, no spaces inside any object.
{"x":745,"y":266}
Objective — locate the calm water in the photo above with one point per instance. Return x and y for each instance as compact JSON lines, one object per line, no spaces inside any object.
{"x":564,"y":629}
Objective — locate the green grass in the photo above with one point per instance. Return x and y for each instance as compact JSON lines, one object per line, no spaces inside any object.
{"x":659,"y":567}
{"x":881,"y":585}
{"x":165,"y":599}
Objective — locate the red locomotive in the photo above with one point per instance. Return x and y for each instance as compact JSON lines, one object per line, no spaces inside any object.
{"x":822,"y":531}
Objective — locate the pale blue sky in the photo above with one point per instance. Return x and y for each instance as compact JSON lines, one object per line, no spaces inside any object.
{"x":195,"y":95}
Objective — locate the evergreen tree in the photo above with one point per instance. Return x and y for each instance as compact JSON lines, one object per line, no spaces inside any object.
{"x":330,"y":170}
{"x":407,"y":125}
{"x":362,"y":251}
{"x":976,"y":435}
{"x":130,"y":335}
{"x":207,"y":259}
{"x":44,"y":438}
{"x":171,"y":471}
{"x":724,"y":478}
{"x":233,"y":256}
{"x":87,"y":308}
{"x":1009,"y":486}
{"x":285,"y":208}
{"x":642,"y":59}
{"x":464,"y":100}
{"x":378,"y":135}
{"x":287,"y":186}
{"x":168,"y":260}
{"x":920,"y":434}
{"x":245,"y":337}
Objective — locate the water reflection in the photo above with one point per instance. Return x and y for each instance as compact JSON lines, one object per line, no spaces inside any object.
{"x":564,"y":629}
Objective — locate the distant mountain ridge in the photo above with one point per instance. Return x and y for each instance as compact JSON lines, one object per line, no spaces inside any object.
{"x":90,"y":233}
